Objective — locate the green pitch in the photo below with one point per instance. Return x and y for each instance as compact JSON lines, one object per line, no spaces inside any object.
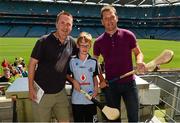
{"x":10,"y":48}
{"x":152,"y":48}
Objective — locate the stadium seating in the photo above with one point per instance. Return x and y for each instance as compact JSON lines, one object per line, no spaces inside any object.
{"x":37,"y":31}
{"x":33,"y":19}
{"x":17,"y":31}
{"x":4,"y":30}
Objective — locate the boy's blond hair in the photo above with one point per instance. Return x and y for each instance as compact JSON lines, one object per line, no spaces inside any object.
{"x":87,"y":38}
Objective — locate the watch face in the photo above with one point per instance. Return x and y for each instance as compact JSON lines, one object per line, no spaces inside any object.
{"x":83,"y":77}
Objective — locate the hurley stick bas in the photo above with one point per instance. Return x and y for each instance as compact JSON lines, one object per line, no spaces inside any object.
{"x":164,"y":58}
{"x":110,"y":113}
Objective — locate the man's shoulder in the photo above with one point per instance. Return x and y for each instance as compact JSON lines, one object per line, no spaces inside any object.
{"x":44,"y":37}
{"x":126,"y":31}
{"x":71,"y":38}
{"x":100,"y":38}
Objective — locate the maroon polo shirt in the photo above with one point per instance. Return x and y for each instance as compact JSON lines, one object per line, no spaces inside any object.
{"x":116,"y":50}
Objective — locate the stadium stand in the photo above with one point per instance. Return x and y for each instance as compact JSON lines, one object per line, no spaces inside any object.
{"x":4,"y":29}
{"x":17,"y":31}
{"x":21,"y":18}
{"x":37,"y":31}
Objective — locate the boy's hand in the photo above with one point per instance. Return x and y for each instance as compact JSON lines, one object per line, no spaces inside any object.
{"x":95,"y":93}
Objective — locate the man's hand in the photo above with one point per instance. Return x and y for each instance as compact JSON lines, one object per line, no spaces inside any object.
{"x":141,"y":68}
{"x":103,"y":84}
{"x":32,"y":94}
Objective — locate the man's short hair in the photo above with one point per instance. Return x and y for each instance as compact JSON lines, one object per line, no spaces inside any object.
{"x":108,"y":8}
{"x":63,"y":13}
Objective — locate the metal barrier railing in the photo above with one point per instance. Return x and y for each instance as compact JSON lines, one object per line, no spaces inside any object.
{"x":170,"y":96}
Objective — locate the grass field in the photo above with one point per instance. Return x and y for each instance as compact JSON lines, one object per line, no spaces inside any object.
{"x":10,"y":48}
{"x":152,"y":48}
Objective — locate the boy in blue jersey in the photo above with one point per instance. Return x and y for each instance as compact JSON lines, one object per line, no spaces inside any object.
{"x":84,"y":70}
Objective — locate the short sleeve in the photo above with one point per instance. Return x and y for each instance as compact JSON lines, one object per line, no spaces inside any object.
{"x":37,"y":50}
{"x":96,"y":72}
{"x":69,"y":70}
{"x":132,"y":39}
{"x":96,"y":49}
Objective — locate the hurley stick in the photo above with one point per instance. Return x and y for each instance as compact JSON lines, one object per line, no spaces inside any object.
{"x":165,"y":57}
{"x":110,"y":113}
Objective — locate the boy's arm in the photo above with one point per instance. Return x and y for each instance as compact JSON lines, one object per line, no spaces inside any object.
{"x":74,"y":82}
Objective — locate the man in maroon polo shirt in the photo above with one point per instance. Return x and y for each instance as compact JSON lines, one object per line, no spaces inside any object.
{"x":116,"y":46}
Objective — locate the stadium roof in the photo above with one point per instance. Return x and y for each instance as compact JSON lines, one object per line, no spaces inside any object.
{"x":133,"y":3}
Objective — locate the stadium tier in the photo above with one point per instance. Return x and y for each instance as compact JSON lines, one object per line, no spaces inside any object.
{"x":35,"y":18}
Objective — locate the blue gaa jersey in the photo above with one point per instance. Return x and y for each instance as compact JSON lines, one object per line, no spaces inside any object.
{"x":83,"y":72}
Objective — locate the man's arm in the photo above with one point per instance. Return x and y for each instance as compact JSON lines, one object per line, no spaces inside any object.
{"x":95,"y":86}
{"x":31,"y":72}
{"x":139,"y":59}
